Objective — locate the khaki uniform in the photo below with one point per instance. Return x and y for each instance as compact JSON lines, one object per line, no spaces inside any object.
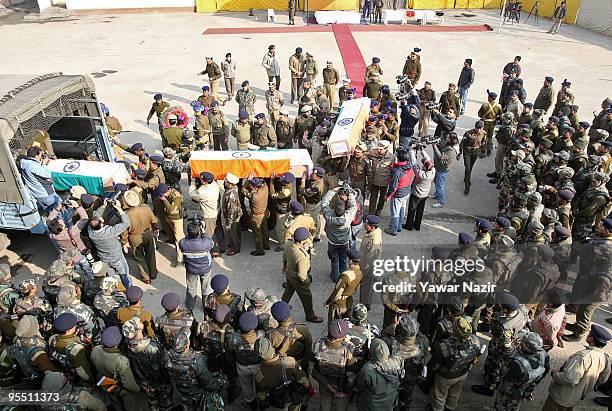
{"x":141,"y":239}
{"x":158,"y":109}
{"x":206,"y":101}
{"x":110,"y":363}
{"x":242,"y":133}
{"x":284,"y":134}
{"x":340,"y":300}
{"x":218,"y":125}
{"x":270,"y":376}
{"x":172,"y":137}
{"x":263,"y":135}
{"x":372,"y":89}
{"x":311,"y":197}
{"x":489,"y":113}
{"x":296,"y":66}
{"x":203,"y":129}
{"x":149,"y":186}
{"x":294,"y":222}
{"x":331,"y":77}
{"x":471,"y":146}
{"x":293,"y":340}
{"x":71,"y":348}
{"x":450,"y":100}
{"x":296,"y":265}
{"x":259,"y":215}
{"x":113,"y":126}
{"x":126,"y":313}
{"x":274,"y":103}
{"x":413,"y":69}
{"x":214,"y":75}
{"x":311,"y":70}
{"x":281,"y":196}
{"x":302,"y":124}
{"x":171,"y":219}
{"x":426,"y":96}
{"x":371,"y":69}
{"x":371,"y":250}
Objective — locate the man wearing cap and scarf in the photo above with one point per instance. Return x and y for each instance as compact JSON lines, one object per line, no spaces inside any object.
{"x":581,"y":374}
{"x":146,"y":357}
{"x":246,"y":98}
{"x":274,"y":102}
{"x":256,"y":190}
{"x":273,"y":371}
{"x":67,"y":350}
{"x":345,"y":92}
{"x":331,"y":78}
{"x":77,"y":396}
{"x":296,"y":266}
{"x":157,"y":108}
{"x":29,"y":352}
{"x":141,"y":235}
{"x":113,"y":368}
{"x":232,"y":213}
{"x":296,"y":66}
{"x":271,"y":64}
{"x":304,"y":126}
{"x":284,"y":129}
{"x":289,"y":338}
{"x":263,"y":133}
{"x":135,"y":308}
{"x":105,"y":238}
{"x":218,"y":125}
{"x":171,"y":216}
{"x":466,"y":79}
{"x":208,"y":196}
{"x":214,"y":74}
{"x":228,"y":67}
{"x":377,"y":381}
{"x":471,"y":146}
{"x":544,"y":100}
{"x":412,"y":67}
{"x":334,"y":367}
{"x":173,"y":320}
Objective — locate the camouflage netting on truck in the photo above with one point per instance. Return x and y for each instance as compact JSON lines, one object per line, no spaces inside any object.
{"x":38,"y":103}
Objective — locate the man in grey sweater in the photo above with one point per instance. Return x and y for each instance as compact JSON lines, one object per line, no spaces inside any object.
{"x":338,"y":228}
{"x":105,"y":240}
{"x":444,"y":157}
{"x":423,"y":178}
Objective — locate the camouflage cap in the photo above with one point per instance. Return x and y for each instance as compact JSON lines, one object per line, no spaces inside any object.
{"x":595,"y":160}
{"x":529,"y":179}
{"x":181,"y":340}
{"x":58,"y":267}
{"x":531,"y":343}
{"x":546,"y":142}
{"x":505,"y":242}
{"x":601,"y":135}
{"x":462,"y":328}
{"x":360,"y":312}
{"x":536,"y":227}
{"x":255,"y":295}
{"x":520,"y":199}
{"x":99,"y":268}
{"x":109,"y":284}
{"x":68,"y":255}
{"x":26,"y":286}
{"x":27,"y":327}
{"x":581,"y":143}
{"x":508,"y":116}
{"x":563,"y":155}
{"x":53,"y":382}
{"x":5,"y":273}
{"x":600,"y":176}
{"x":66,"y":295}
{"x":131,"y":327}
{"x":524,"y":168}
{"x":264,"y":348}
{"x":408,"y":326}
{"x":550,"y":214}
{"x":534,"y":198}
{"x":565,"y":173}
{"x":379,"y":350}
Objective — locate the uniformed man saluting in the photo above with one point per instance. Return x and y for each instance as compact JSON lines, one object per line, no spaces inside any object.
{"x":256,"y":191}
{"x":296,"y":266}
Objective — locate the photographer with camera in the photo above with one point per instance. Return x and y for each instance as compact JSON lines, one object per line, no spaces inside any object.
{"x":423,"y":177}
{"x":444,"y":157}
{"x":105,"y":239}
{"x":409,"y":117}
{"x":198,"y":261}
{"x":37,"y":178}
{"x":69,"y":238}
{"x":399,"y":189}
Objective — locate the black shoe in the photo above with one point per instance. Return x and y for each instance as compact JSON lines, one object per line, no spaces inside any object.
{"x":316,"y":319}
{"x":571,"y":327}
{"x":483,"y":390}
{"x":493,"y":181}
{"x":492,"y":175}
{"x":466,"y":191}
{"x":388,"y":231}
{"x":257,"y":253}
{"x":573,"y":337}
{"x":316,"y":240}
{"x":603,"y":401}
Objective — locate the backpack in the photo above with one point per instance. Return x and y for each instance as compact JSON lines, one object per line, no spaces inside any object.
{"x":289,"y":392}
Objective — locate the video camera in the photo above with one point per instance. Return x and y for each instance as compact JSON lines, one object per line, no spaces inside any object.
{"x":432,"y":105}
{"x":423,"y":142}
{"x":404,"y":87}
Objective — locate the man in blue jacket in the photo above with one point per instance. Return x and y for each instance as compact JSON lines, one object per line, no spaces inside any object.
{"x":409,"y":117}
{"x":399,"y":189}
{"x":37,"y":178}
{"x":198,"y":262}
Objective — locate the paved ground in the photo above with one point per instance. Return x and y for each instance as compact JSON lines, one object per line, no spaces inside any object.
{"x":149,"y":53}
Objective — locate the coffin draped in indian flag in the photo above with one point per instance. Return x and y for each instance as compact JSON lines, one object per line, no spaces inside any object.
{"x":349,"y":125}
{"x":240,"y":163}
{"x":94,"y":176}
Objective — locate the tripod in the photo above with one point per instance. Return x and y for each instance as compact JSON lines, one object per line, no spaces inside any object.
{"x":536,"y":15}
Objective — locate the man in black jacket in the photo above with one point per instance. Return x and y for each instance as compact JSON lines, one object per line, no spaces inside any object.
{"x":466,"y":79}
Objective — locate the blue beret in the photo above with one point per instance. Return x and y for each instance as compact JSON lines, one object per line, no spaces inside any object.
{"x":572,"y":130}
{"x":554,"y":119}
{"x":337,"y":329}
{"x":197,"y":106}
{"x":354,"y":254}
{"x":600,"y":333}
{"x":245,"y":83}
{"x":208,"y":177}
{"x":503,"y":222}
{"x":219,"y":283}
{"x":156,"y":159}
{"x":243,"y":114}
{"x":528,"y":105}
{"x":584,"y":124}
{"x":222,"y":313}
{"x":64,"y":322}
{"x":248,"y":321}
{"x":483,"y":224}
{"x":385,"y":89}
{"x":549,"y":79}
{"x":519,"y":81}
{"x":158,"y":96}
{"x":205,"y":88}
{"x":298,"y":50}
{"x":214,"y":104}
{"x":133,"y":294}
{"x":260,"y":115}
{"x":287,"y":178}
{"x":296,"y":207}
{"x":492,"y":94}
{"x":514,"y":93}
{"x":111,"y":337}
{"x":509,"y":301}
{"x":161,"y":190}
{"x":607,"y":223}
{"x":391,"y":110}
{"x":256,"y":181}
{"x":170,"y":301}
{"x":375,"y":60}
{"x":372,"y":219}
{"x":319,"y":171}
{"x":374,"y":102}
{"x":545,"y":251}
{"x":139,"y":172}
{"x":563,"y":231}
{"x":465,"y":238}
{"x":280,"y":310}
{"x":301,"y":234}
{"x":136,"y":147}
{"x":120,"y":188}
{"x":87,"y":199}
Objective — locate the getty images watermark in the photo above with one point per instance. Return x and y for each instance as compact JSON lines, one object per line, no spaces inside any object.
{"x":413,"y":267}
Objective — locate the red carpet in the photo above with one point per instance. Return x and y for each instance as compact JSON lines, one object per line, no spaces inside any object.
{"x":353,"y":27}
{"x":351,"y":55}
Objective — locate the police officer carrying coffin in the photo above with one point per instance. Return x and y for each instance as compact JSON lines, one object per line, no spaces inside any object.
{"x":146,"y":357}
{"x":504,"y":329}
{"x":197,"y":387}
{"x":525,"y":370}
{"x":173,"y":320}
{"x":334,"y":367}
{"x":241,"y":352}
{"x":405,"y":341}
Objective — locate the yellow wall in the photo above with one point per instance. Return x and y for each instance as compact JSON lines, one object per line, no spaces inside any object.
{"x":243,"y":5}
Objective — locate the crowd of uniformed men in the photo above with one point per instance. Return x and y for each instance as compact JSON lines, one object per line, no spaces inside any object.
{"x":90,"y":338}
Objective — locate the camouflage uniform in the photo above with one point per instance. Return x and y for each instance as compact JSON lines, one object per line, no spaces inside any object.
{"x":260,"y":304}
{"x":108,"y":301}
{"x":88,"y":328}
